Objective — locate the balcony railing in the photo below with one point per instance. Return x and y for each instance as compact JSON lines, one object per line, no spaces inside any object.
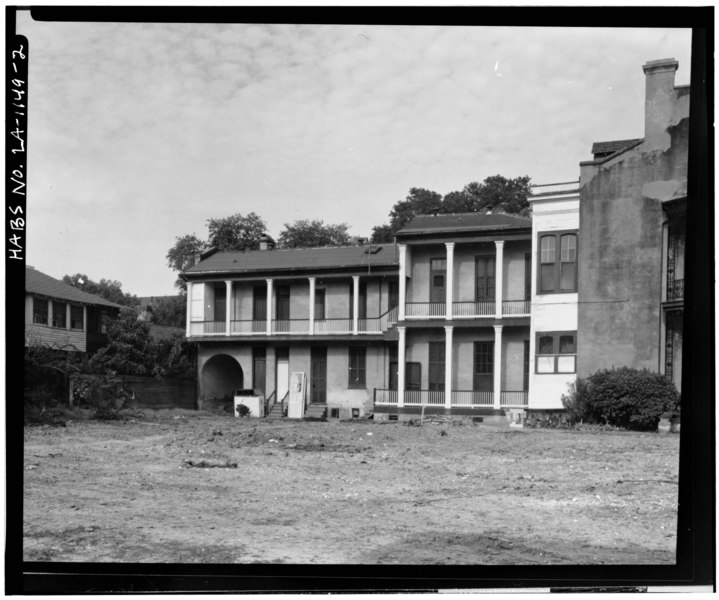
{"x":425,"y":309}
{"x":205,"y":327}
{"x":248,"y":327}
{"x":290,"y":326}
{"x":515,"y":307}
{"x":333,"y":326}
{"x":243,"y":327}
{"x":509,"y":398}
{"x":381,"y":323}
{"x":460,"y":398}
{"x":466,"y":309}
{"x":472,"y":398}
{"x":473,"y":309}
{"x":675,"y":290}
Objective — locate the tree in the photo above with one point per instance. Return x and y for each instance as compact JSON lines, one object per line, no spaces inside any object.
{"x":236,"y":232}
{"x":304,"y":233}
{"x":499,"y":193}
{"x":169,"y":310}
{"x":419,"y":201}
{"x":109,"y":289}
{"x":130,"y":349}
{"x":382,"y":234}
{"x":182,"y":255}
{"x":457,"y":202}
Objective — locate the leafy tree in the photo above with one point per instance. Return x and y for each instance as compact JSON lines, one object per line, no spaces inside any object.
{"x":106,"y":288}
{"x":494,"y":193}
{"x":130,"y":350}
{"x":382,"y":234}
{"x":419,"y":201}
{"x":499,"y":193}
{"x":182,"y":255}
{"x":457,"y":202}
{"x":169,"y":310}
{"x":236,"y":232}
{"x":305,"y":233}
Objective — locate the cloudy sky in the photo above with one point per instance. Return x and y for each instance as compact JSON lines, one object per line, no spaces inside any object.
{"x":141,"y":132}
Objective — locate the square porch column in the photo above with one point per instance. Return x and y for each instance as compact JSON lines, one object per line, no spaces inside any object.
{"x":312,"y":305}
{"x":228,"y":306}
{"x":188,"y":307}
{"x":497,"y":365}
{"x":401,"y":358}
{"x":450,"y":279}
{"x":448,"y":366}
{"x":269,"y":306}
{"x":355,"y":304}
{"x":498,"y":278}
{"x":402,"y":280}
{"x":68,"y":313}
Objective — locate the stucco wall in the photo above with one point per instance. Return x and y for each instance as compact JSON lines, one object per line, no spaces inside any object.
{"x":620,"y":254}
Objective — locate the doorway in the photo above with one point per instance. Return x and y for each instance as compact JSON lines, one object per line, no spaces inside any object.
{"x":282,"y":365}
{"x":318,"y":375}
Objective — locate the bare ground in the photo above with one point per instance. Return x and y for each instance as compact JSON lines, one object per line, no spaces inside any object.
{"x":346,"y":492}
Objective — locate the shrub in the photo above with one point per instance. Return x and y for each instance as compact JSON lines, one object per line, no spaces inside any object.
{"x":101,"y":391}
{"x":624,"y":397}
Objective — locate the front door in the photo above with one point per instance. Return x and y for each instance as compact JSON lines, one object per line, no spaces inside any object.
{"x":483,"y":376}
{"x":318,"y":375}
{"x":259,"y":370}
{"x":283,"y":372}
{"x":436,"y":366}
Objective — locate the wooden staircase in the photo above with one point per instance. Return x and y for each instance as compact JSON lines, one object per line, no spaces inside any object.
{"x":316,"y":412}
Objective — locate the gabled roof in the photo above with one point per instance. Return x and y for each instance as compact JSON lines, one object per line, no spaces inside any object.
{"x":605,"y":148}
{"x":464,"y":222}
{"x":305,"y":259}
{"x":44,"y":285}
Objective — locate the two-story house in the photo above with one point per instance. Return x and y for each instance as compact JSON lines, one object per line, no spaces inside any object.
{"x":442,"y":319}
{"x":61,"y":316}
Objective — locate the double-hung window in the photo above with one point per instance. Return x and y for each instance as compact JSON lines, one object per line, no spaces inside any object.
{"x":556,"y":352}
{"x":59,"y":315}
{"x":557,"y":262}
{"x":39,"y":311}
{"x":357,"y":367}
{"x":76,"y":318}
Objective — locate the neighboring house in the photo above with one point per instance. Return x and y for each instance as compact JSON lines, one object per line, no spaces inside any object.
{"x":62,"y":316}
{"x":631,"y":246}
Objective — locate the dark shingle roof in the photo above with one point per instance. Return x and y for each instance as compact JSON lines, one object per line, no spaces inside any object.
{"x":465,"y":222}
{"x":44,"y":285}
{"x":613,"y":146}
{"x":298,"y":259}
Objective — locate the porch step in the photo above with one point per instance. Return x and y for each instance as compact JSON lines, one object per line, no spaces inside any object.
{"x":275,"y":411}
{"x":316,"y":412}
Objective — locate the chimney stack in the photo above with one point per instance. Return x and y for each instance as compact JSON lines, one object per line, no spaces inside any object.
{"x":659,"y":102}
{"x":267,"y":243}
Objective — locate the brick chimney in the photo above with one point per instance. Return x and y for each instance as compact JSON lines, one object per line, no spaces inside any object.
{"x":659,"y":102}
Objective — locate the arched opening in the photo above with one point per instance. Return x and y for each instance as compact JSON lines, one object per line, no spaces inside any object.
{"x":221,"y":375}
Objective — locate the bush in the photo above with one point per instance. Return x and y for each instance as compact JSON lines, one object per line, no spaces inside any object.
{"x":101,"y":391}
{"x":624,"y":397}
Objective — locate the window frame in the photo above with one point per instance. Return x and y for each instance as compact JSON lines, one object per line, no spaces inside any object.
{"x":35,"y":313}
{"x":357,"y":373}
{"x":59,"y":317}
{"x":556,"y":352}
{"x":491,"y":259}
{"x":75,"y":308}
{"x":557,"y":264}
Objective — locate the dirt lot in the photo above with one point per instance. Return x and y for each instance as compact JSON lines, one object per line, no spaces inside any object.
{"x":346,"y":492}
